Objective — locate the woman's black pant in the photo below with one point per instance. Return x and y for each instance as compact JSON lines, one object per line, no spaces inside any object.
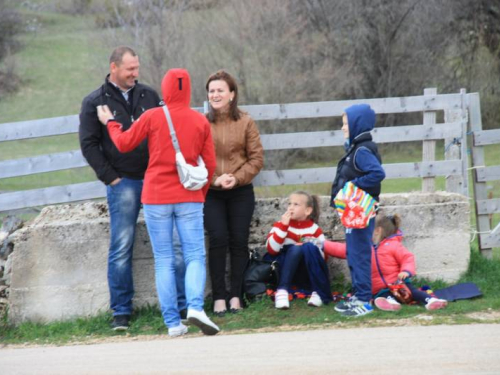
{"x":227,"y":219}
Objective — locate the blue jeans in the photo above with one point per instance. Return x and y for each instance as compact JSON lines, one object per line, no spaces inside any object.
{"x":359,"y":258}
{"x":188,"y":218}
{"x":124,"y":203}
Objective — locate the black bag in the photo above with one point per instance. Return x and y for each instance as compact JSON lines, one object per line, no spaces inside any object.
{"x":259,"y":275}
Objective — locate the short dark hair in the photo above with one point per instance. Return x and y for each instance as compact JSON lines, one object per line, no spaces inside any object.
{"x":234,"y":111}
{"x":117,"y":54}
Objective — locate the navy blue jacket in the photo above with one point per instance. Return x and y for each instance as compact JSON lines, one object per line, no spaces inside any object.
{"x":361,"y":163}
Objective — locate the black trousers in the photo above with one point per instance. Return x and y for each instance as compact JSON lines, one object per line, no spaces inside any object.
{"x":227,"y":219}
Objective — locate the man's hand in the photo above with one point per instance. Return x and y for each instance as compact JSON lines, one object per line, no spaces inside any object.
{"x":104,"y":114}
{"x":116,"y":181}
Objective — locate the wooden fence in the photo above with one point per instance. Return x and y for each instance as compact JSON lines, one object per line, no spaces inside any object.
{"x":453,"y":131}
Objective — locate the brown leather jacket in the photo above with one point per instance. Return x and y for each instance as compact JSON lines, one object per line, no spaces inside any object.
{"x":238,"y":149}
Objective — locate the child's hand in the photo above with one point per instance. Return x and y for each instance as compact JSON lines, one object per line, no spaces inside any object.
{"x":403,"y":275}
{"x":285,"y":218}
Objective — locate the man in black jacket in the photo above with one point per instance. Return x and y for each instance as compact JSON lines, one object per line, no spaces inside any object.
{"x":123,"y":174}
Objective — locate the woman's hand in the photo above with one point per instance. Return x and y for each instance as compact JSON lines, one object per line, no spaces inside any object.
{"x":225,"y":181}
{"x":403,"y":275}
{"x":104,"y":114}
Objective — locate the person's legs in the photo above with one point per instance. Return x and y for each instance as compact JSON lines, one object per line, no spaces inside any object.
{"x":359,"y":258}
{"x":159,"y":221}
{"x":216,"y":224}
{"x":317,"y":271}
{"x":240,"y":208}
{"x":288,"y":266}
{"x":124,"y":202}
{"x":189,"y":222}
{"x":180,"y":271}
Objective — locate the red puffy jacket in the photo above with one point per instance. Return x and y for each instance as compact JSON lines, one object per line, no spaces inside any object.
{"x":392,"y":256}
{"x":161,"y":182}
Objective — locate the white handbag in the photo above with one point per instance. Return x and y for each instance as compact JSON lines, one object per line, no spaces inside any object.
{"x":191,"y":177}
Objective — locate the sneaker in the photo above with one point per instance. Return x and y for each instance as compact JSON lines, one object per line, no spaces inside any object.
{"x":315,"y":300}
{"x":345,"y":305}
{"x":436,"y":304}
{"x":358,"y":308}
{"x":387,"y":304}
{"x":202,"y":321}
{"x":281,"y":299}
{"x":120,"y":322}
{"x":180,"y":330}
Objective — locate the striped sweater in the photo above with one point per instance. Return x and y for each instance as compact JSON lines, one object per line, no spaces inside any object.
{"x":296,"y":232}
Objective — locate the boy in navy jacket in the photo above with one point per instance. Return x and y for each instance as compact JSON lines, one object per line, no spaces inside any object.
{"x":361,"y":164}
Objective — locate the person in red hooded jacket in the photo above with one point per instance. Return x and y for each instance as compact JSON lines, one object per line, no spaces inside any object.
{"x":165,"y":199}
{"x":391,"y":263}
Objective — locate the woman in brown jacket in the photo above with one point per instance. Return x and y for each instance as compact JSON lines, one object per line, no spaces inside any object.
{"x":230,"y":200}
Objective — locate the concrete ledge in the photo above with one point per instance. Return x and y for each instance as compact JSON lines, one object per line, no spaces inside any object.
{"x":59,"y":262}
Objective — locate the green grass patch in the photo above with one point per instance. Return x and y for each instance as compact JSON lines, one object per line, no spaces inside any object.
{"x":261,"y":315}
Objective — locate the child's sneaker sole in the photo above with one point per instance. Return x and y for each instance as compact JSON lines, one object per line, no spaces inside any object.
{"x":437,"y":304}
{"x":384,"y":305}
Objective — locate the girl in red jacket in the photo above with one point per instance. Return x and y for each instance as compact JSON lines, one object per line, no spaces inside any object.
{"x":391,"y":262}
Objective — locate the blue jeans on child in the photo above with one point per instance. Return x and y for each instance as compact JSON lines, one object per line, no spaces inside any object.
{"x":124,"y":203}
{"x":188,"y":219}
{"x":359,"y":258}
{"x":303,"y":266}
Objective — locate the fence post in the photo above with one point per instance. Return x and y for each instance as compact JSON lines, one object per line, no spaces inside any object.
{"x":480,"y":189}
{"x":429,"y":147}
{"x":457,"y":184}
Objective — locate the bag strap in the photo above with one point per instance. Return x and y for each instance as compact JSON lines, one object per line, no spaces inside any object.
{"x":172,"y":130}
{"x":378,"y":267}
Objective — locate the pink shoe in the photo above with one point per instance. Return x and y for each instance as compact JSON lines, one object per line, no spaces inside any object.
{"x":387,"y":304}
{"x":436,"y":304}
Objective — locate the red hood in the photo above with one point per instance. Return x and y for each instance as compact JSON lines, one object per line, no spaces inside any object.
{"x":176,"y":88}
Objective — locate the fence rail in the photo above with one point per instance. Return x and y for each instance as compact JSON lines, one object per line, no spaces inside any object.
{"x":459,"y":109}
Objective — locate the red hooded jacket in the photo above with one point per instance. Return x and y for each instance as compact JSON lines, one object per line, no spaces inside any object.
{"x":161,"y":182}
{"x":392,"y":256}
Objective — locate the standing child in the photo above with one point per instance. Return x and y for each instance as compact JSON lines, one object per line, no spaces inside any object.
{"x":296,"y":243}
{"x":391,"y":262}
{"x":361,"y":164}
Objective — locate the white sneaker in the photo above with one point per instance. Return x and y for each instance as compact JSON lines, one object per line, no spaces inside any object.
{"x":281,"y":299}
{"x":315,"y":300}
{"x":203,"y":322}
{"x":180,"y":330}
{"x":387,"y":304}
{"x":436,"y":304}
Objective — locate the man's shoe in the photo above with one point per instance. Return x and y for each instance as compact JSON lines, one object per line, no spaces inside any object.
{"x":358,"y":308}
{"x":345,"y":305}
{"x":180,"y":330}
{"x":436,"y":304}
{"x":281,"y":299}
{"x":120,"y":322}
{"x":315,"y":300}
{"x":387,"y":304}
{"x":202,"y":321}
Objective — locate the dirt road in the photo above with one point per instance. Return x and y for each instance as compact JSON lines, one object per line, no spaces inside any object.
{"x":458,"y":349}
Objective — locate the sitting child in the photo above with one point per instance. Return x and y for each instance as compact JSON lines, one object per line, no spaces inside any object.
{"x":296,"y":243}
{"x":391,"y":262}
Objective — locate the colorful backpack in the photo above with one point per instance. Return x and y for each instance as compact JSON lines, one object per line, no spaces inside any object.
{"x":355,"y":206}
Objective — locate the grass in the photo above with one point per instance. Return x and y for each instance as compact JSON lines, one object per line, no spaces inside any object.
{"x":262,"y":315}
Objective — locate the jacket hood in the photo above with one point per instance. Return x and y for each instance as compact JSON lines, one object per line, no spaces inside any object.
{"x":361,"y":119}
{"x":176,"y":88}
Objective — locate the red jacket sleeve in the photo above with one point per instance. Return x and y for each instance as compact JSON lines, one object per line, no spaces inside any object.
{"x":208,"y":155}
{"x":405,"y":259}
{"x":335,"y":249}
{"x":130,"y":139}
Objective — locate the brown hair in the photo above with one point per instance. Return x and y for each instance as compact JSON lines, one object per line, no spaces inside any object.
{"x":117,"y":54}
{"x":390,"y":224}
{"x":313,"y":202}
{"x":234,"y":111}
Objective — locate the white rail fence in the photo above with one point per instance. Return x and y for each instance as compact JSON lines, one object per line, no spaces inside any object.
{"x":461,"y":112}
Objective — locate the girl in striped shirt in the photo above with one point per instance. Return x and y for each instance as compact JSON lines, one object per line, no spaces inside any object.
{"x":296,"y":243}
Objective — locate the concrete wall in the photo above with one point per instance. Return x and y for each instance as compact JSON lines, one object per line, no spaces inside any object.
{"x":59,"y":260}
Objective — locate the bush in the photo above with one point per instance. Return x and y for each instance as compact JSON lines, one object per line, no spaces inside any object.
{"x":10,"y":26}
